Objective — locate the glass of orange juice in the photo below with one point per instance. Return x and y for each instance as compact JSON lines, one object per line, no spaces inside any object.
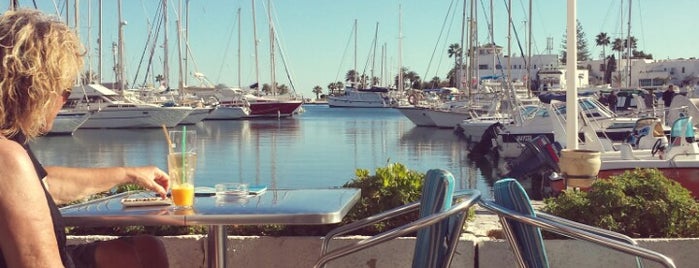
{"x":181,"y":163}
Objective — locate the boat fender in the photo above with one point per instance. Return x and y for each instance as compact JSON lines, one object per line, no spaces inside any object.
{"x":413,"y":99}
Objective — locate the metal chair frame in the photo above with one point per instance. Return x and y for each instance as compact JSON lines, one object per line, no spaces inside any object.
{"x":606,"y":238}
{"x":467,"y":199}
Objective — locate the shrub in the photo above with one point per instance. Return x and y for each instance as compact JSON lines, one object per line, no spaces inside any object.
{"x":391,"y":186}
{"x":639,"y":203}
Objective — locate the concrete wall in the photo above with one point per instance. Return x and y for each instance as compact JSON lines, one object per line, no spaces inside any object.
{"x":248,"y":251}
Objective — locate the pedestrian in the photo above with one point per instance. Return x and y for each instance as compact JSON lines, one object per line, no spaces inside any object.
{"x":668,"y":95}
{"x":40,"y":59}
{"x":612,"y":101}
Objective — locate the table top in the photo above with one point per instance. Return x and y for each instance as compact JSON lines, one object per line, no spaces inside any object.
{"x":288,"y":207}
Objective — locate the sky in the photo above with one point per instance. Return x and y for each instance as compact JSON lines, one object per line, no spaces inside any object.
{"x":317,"y":39}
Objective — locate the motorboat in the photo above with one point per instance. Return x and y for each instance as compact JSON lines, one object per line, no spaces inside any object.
{"x":115,"y":111}
{"x":68,"y":121}
{"x":375,"y":97}
{"x":549,"y":120}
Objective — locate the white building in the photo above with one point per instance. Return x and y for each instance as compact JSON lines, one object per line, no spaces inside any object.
{"x":650,"y":74}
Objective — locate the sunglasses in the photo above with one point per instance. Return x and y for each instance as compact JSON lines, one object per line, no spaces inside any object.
{"x":66,"y":94}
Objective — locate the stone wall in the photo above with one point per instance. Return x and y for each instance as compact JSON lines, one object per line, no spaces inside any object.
{"x":251,"y":251}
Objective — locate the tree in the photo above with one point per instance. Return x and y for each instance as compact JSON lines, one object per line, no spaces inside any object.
{"x":332,"y":87}
{"x":352,"y":76}
{"x":414,"y":79}
{"x":434,"y":83}
{"x":583,"y":51}
{"x":603,"y":41}
{"x":317,"y":90}
{"x":455,"y":52}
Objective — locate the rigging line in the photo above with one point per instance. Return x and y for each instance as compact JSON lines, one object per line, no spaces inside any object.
{"x":228,"y":44}
{"x":152,"y":52}
{"x":277,"y":37}
{"x":487,"y":19}
{"x":145,"y":49}
{"x":342,"y":59}
{"x":519,"y":42}
{"x":372,"y":53}
{"x":439,"y":38}
{"x":279,"y":47}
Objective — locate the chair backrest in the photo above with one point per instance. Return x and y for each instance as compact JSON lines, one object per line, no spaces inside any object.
{"x":509,"y":193}
{"x":433,"y":243}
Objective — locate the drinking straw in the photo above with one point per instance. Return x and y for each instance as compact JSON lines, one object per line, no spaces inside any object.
{"x":184,"y":145}
{"x":167,"y":138}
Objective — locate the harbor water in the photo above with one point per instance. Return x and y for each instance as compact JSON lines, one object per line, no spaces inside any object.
{"x":319,"y":148}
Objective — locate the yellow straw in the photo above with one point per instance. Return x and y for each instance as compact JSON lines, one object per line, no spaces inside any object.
{"x":167,"y":137}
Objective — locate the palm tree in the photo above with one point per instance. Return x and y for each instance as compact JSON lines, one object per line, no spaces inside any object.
{"x":603,"y":41}
{"x":413,"y":77}
{"x":331,"y":88}
{"x":455,"y":51}
{"x":317,"y":90}
{"x":351,"y":76}
{"x":435,"y":82}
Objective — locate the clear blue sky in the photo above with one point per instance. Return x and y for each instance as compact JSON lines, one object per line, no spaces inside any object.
{"x":316,"y":35}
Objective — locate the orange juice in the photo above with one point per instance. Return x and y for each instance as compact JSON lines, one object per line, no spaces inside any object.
{"x":183,"y":195}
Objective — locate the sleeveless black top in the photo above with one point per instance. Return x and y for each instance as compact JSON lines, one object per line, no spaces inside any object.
{"x":58,"y":226}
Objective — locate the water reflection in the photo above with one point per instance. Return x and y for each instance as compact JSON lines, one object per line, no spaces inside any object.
{"x":320,"y":148}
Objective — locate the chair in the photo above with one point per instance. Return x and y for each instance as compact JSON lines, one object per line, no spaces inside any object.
{"x":438,"y":226}
{"x":522,"y":227}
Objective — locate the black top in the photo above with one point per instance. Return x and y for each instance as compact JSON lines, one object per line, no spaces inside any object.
{"x":58,"y":226}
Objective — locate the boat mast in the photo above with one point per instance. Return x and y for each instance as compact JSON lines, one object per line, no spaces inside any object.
{"x":120,"y":50}
{"x":271,"y":49}
{"x":166,"y":62}
{"x":186,"y":42}
{"x":178,"y":24}
{"x":628,"y":49}
{"x":257,"y":62}
{"x":400,"y":50}
{"x":373,"y":56}
{"x":239,"y":45}
{"x":354,"y":78}
{"x":99,"y":45}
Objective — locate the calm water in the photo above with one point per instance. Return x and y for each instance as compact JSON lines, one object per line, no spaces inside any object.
{"x":319,"y":148}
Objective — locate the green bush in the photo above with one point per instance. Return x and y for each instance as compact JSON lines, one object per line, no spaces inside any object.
{"x":639,"y":203}
{"x":391,"y":186}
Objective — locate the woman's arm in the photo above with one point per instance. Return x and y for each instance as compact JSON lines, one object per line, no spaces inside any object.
{"x":68,"y":184}
{"x":27,"y":237}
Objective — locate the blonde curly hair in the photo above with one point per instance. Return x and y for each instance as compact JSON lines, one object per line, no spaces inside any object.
{"x":40,"y":58}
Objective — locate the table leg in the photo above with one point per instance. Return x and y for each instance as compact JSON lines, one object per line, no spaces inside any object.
{"x":216,"y":246}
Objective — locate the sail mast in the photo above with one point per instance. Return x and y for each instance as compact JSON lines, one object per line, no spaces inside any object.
{"x":166,"y":62}
{"x":271,"y":49}
{"x":400,"y":50}
{"x":254,"y":34}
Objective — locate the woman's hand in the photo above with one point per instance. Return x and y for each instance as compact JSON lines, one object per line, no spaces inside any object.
{"x":150,"y":177}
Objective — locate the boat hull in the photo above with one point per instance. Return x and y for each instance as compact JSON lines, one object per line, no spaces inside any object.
{"x":137,"y":117}
{"x":228,"y":113}
{"x":67,"y":122}
{"x":417,"y":115}
{"x":273,"y":109}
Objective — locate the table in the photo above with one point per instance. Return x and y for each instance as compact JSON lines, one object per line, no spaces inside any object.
{"x":284,"y":207}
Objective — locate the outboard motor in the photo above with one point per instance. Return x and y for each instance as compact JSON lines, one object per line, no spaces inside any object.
{"x":487,"y":142}
{"x":538,"y":154}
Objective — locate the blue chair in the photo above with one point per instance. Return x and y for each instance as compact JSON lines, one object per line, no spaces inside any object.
{"x":522,"y":227}
{"x":438,"y":226}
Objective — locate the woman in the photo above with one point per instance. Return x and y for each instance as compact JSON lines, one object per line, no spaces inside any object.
{"x":40,"y":58}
